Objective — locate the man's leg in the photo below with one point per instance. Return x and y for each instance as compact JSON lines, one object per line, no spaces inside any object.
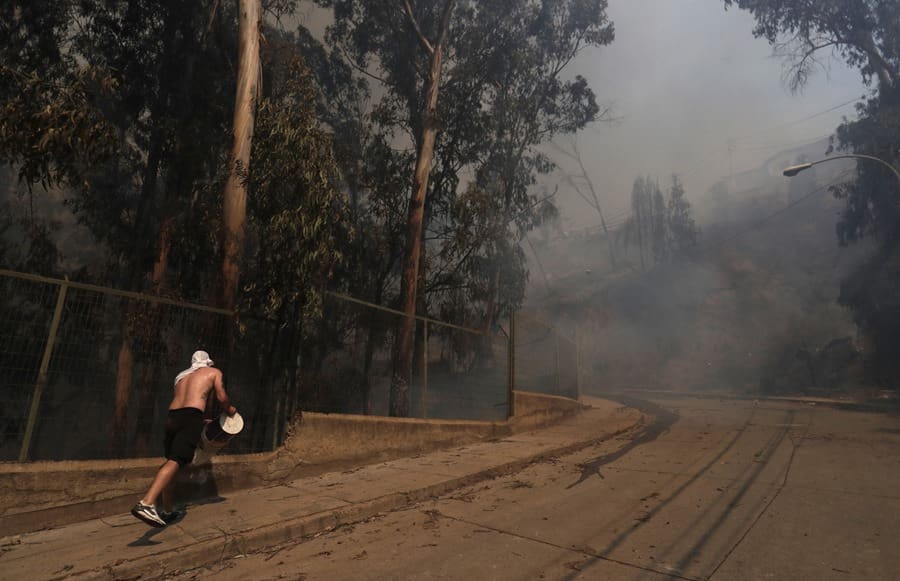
{"x":145,"y":509}
{"x":168,"y":496}
{"x":164,"y":478}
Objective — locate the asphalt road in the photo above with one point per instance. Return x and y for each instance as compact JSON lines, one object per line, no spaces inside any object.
{"x":714,"y":489}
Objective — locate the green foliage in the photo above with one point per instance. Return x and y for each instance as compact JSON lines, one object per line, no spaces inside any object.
{"x":109,"y":102}
{"x":297,"y":216}
{"x":871,"y":207}
{"x":124,"y":110}
{"x":482,"y":259}
{"x":50,"y":131}
{"x":866,"y":36}
{"x":871,"y":294}
{"x":862,"y":32}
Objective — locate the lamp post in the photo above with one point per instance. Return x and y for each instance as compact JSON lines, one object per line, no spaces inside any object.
{"x":795,"y":169}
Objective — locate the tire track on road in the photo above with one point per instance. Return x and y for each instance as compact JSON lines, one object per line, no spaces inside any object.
{"x":794,"y":447}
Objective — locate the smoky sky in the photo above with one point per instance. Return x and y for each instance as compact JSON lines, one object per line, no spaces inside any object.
{"x":686,"y":78}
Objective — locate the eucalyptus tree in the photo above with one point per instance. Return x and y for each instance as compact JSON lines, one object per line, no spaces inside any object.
{"x":375,"y":175}
{"x":234,"y":198}
{"x":503,"y":91}
{"x":662,"y":226}
{"x":640,"y":226}
{"x":111,"y":103}
{"x":864,"y":35}
{"x":525,"y":99}
{"x":584,"y":186}
{"x":51,"y":130}
{"x":297,"y":229}
{"x":405,"y":41}
{"x":128,"y":107}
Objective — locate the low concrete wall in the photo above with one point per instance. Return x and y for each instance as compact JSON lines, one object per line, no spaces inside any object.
{"x":39,"y":495}
{"x":536,"y":409}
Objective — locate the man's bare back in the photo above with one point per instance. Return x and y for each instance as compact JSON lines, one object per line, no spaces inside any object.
{"x":193,"y":390}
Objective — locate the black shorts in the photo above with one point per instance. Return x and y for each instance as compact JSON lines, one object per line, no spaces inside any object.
{"x":183,"y":428}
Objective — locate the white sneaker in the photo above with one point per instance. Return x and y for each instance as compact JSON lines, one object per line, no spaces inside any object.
{"x":148,"y":514}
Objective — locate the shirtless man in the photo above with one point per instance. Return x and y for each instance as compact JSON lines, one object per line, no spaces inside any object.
{"x":183,"y":428}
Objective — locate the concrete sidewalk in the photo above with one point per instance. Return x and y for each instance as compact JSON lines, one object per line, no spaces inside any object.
{"x":121,"y":547}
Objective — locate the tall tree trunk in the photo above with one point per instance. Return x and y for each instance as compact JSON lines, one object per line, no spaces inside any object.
{"x":265,"y":400}
{"x":418,"y":361}
{"x":146,"y":394}
{"x":595,"y":202}
{"x":295,"y":330}
{"x":403,"y":353}
{"x":365,"y":383}
{"x":125,"y":361}
{"x":146,"y":407}
{"x":173,"y":55}
{"x":235,"y":195}
{"x":888,"y":77}
{"x":124,"y":370}
{"x":372,"y":334}
{"x":639,"y":218}
{"x":161,"y":266}
{"x":493,"y":298}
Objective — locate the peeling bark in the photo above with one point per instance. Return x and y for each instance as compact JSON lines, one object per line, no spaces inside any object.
{"x":235,"y":194}
{"x":403,"y":353}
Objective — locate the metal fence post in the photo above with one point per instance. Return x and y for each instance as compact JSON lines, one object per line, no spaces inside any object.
{"x":511,"y":368}
{"x":42,"y":372}
{"x":277,"y":421}
{"x":558,"y":389}
{"x":425,"y":369}
{"x":577,"y":365}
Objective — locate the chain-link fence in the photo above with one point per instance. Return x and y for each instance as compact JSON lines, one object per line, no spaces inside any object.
{"x":545,"y":360}
{"x":457,"y":372}
{"x":86,"y":371}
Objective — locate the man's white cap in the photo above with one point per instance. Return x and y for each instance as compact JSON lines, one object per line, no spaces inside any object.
{"x":198,"y":359}
{"x":201,"y":358}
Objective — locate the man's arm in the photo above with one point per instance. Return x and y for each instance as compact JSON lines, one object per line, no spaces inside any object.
{"x":222,"y":396}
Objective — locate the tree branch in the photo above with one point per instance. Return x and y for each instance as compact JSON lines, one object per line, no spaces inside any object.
{"x":887,"y":75}
{"x":415,"y":24}
{"x":801,"y":58}
{"x":445,"y":21}
{"x":360,"y":69}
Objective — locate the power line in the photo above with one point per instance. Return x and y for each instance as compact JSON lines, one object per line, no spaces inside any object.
{"x":782,"y":145}
{"x":718,"y":243}
{"x":718,"y":151}
{"x":618,"y":219}
{"x":804,"y":119}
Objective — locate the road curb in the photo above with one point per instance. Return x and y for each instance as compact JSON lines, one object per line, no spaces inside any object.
{"x":846,"y":405}
{"x":185,"y":558}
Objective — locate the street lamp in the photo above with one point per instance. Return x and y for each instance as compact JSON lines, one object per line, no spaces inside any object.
{"x":795,"y":169}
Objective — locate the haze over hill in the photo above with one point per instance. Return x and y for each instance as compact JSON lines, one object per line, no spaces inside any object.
{"x":758,"y":296}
